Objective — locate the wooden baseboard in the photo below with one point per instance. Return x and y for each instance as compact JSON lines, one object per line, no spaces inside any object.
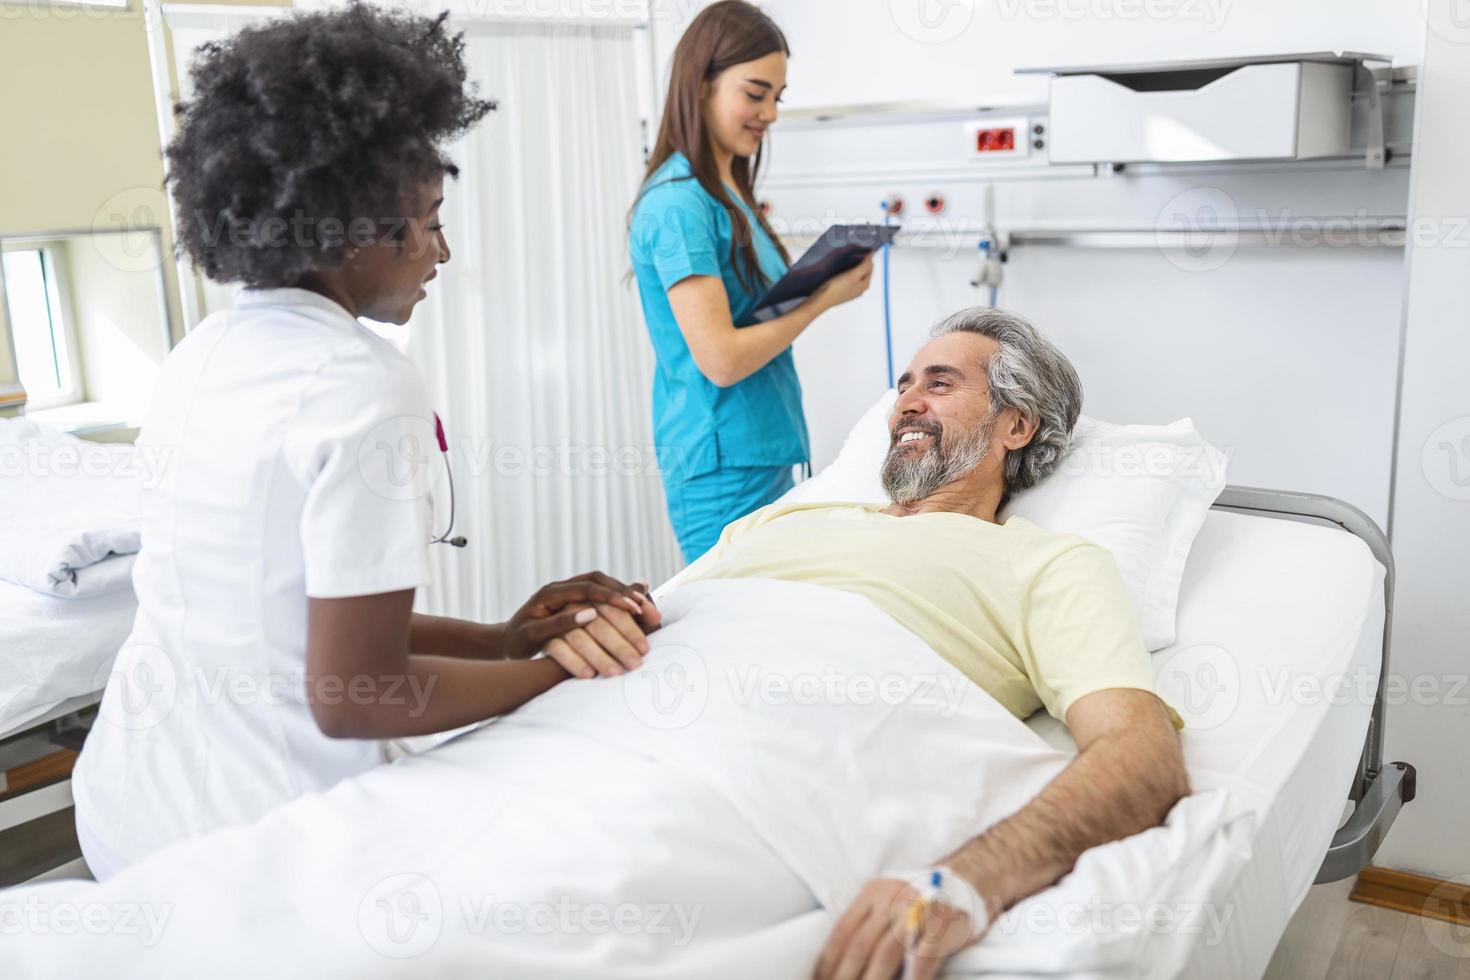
{"x":46,"y":769}
{"x":1433,"y":898}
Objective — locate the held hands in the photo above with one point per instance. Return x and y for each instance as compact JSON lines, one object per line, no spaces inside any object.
{"x":592,"y":624}
{"x":845,"y":286}
{"x":886,"y":933}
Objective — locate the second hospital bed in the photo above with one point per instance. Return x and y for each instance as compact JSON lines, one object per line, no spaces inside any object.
{"x":55,"y":656}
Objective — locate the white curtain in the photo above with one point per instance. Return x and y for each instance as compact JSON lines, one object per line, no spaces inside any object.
{"x":532,"y":343}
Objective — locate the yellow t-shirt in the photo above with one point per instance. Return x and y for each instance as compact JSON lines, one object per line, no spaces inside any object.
{"x":1036,"y":618}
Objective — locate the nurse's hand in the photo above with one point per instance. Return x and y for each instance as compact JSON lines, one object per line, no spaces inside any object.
{"x":845,"y":286}
{"x":592,"y":624}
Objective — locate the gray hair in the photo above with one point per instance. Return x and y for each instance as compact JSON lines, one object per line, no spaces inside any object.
{"x":1028,"y":374}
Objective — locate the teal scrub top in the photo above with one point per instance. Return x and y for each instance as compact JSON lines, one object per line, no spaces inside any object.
{"x":679,"y":230}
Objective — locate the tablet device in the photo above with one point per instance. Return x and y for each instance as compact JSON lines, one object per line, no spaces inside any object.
{"x":838,"y":249}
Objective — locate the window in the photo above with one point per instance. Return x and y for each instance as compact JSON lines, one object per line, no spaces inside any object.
{"x":45,"y":347}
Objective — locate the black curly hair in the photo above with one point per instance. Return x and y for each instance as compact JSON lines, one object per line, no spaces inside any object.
{"x":305,"y":131}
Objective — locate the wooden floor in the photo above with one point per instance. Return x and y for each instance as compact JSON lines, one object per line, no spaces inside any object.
{"x":1331,"y":937}
{"x":38,"y":846}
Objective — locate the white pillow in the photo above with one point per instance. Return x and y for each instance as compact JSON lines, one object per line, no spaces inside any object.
{"x":1140,"y":491}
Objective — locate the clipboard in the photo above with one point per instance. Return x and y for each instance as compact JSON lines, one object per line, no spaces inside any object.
{"x":838,"y":249}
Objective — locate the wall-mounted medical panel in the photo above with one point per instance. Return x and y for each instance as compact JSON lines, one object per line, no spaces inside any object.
{"x":1254,"y":297}
{"x":1203,"y":111}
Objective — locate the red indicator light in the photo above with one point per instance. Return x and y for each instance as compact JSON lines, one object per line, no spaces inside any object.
{"x":993,"y":140}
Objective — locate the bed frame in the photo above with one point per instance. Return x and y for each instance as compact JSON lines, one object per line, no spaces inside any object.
{"x":1377,"y":792}
{"x":63,"y":727}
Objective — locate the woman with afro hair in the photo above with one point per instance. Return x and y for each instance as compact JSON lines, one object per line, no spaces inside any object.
{"x":275,"y":642}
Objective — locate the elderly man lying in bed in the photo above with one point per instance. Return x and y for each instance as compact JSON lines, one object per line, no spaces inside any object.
{"x":1036,"y":619}
{"x":829,"y":712}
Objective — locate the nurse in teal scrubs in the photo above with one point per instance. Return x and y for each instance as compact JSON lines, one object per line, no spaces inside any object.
{"x":727,"y":414}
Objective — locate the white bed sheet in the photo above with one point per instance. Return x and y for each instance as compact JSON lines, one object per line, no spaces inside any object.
{"x":54,"y":649}
{"x":1266,"y":603}
{"x":1249,"y":673}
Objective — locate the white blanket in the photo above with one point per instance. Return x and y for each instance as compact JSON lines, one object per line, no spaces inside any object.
{"x":69,"y":511}
{"x":706,"y":816}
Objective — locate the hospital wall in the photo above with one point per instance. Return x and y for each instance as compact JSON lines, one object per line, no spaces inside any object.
{"x":117,"y":315}
{"x":1284,"y":357}
{"x":966,"y":51}
{"x":1431,"y":526}
{"x":79,"y":143}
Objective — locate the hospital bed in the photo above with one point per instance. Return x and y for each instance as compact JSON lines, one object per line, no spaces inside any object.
{"x":77,"y":510}
{"x":1277,"y":606}
{"x":1376,"y":791}
{"x":55,"y":655}
{"x":1283,"y":594}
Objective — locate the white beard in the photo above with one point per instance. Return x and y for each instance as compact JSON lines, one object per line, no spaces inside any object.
{"x":908,"y":478}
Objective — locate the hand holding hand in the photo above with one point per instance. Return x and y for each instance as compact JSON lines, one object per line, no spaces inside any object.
{"x":592,"y":618}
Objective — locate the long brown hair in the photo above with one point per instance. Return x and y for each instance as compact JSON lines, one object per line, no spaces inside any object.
{"x":727,"y":33}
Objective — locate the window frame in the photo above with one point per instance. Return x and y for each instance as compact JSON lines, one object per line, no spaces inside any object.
{"x":53,"y":268}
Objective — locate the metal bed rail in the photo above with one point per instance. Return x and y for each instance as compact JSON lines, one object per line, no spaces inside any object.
{"x":1378,"y":792}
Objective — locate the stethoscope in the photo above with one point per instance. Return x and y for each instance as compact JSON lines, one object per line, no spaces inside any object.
{"x":456,"y":542}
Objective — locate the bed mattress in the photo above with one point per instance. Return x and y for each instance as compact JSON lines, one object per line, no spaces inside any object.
{"x":52,"y":649}
{"x":1275,"y":668}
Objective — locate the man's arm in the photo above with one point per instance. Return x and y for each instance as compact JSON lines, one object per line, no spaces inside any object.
{"x":1128,"y":773}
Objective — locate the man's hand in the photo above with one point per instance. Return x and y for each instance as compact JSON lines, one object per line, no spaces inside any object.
{"x":881,"y":926}
{"x":1129,"y":772}
{"x":590,"y":624}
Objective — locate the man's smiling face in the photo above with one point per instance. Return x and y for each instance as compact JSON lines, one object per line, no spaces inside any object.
{"x":941,"y":427}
